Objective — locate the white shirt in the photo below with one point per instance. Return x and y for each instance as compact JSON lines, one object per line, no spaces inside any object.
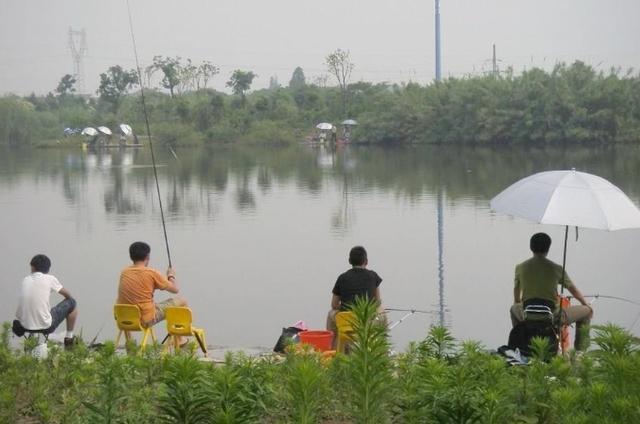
{"x":33,"y":301}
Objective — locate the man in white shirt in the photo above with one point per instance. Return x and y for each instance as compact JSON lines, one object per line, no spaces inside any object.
{"x":34,"y":312}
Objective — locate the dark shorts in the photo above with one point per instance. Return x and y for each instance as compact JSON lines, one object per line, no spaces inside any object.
{"x":59,"y":313}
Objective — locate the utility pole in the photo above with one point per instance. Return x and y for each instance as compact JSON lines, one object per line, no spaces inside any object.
{"x":438,"y":53}
{"x":78,"y":48}
{"x":496,"y":71}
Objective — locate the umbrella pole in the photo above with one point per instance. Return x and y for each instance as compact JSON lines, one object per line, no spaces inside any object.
{"x":564,"y":264}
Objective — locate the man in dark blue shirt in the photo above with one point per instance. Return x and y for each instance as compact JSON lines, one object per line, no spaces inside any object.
{"x":356,"y":282}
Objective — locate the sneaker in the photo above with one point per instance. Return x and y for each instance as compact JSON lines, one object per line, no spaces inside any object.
{"x":69,"y":342}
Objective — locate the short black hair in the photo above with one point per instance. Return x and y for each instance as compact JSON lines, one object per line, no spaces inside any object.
{"x":540,"y":243}
{"x":41,"y":263}
{"x":139,"y":250}
{"x":357,"y":256}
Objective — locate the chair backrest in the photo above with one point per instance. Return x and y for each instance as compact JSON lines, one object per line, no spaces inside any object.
{"x":128,"y":317}
{"x":179,"y":319}
{"x":344,"y":323}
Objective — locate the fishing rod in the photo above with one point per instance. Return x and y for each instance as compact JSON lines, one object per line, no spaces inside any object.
{"x":146,"y":120}
{"x":604,"y":296}
{"x":409,"y":312}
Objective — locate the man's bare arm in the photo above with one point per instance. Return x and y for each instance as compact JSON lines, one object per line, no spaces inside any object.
{"x":65,"y":293}
{"x":172,"y":287}
{"x":578,"y":295}
{"x":335,"y":302}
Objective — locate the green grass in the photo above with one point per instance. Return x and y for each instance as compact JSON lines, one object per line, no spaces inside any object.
{"x":438,"y":380}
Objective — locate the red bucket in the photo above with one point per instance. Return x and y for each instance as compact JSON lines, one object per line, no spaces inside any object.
{"x":320,"y":340}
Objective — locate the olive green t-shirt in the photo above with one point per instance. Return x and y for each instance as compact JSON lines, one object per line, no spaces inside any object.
{"x":538,"y":277}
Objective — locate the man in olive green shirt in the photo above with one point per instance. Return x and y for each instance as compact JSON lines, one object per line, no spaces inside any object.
{"x":538,"y":278}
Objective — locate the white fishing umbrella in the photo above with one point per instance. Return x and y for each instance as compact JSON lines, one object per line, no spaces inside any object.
{"x":349,"y":122}
{"x":90,"y":131}
{"x":126,"y":129}
{"x":324,"y":126}
{"x":568,"y":198}
{"x":105,"y":130}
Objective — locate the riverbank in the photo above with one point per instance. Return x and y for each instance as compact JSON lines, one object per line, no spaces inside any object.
{"x":436,"y":380}
{"x":570,"y":104}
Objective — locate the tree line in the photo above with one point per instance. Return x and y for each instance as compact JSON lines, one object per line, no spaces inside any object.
{"x":568,"y":104}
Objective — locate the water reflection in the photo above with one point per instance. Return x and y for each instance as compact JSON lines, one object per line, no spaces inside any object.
{"x":465,"y":174}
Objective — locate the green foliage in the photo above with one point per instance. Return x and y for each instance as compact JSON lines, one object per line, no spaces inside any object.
{"x":298,"y":80}
{"x":66,"y":85}
{"x":447,"y":382}
{"x":306,"y":387}
{"x":570,"y":104}
{"x":368,"y":367}
{"x":240,"y":83}
{"x":186,"y":393}
{"x":439,"y":343}
{"x":115,"y":83}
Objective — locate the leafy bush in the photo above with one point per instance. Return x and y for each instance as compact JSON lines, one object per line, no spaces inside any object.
{"x":438,"y":380}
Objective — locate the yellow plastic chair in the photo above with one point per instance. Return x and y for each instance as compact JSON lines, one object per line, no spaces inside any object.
{"x":179,"y":324}
{"x":128,"y":319}
{"x":344,"y":324}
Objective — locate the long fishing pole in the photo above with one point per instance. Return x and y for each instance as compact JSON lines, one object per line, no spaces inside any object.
{"x":409,"y":310}
{"x":604,"y":296}
{"x":146,"y":120}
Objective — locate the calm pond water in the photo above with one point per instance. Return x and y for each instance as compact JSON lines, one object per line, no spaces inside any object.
{"x":259,"y":235}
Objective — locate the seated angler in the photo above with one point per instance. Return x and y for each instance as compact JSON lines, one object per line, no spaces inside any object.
{"x":356,"y":282}
{"x":34,"y":313}
{"x":537,"y":279}
{"x":138,"y":283}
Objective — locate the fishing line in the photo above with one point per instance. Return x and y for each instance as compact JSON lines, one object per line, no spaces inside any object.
{"x":409,"y":310}
{"x":146,"y":120}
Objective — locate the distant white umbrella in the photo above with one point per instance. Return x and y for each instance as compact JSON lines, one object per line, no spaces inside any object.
{"x":90,"y":131}
{"x":324,"y":126}
{"x":568,"y":198}
{"x":349,"y":122}
{"x":105,"y":130}
{"x":126,"y":129}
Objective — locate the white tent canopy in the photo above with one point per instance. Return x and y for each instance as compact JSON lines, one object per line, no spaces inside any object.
{"x":324,"y":126}
{"x":126,"y":129}
{"x":105,"y":130}
{"x":89,"y":131}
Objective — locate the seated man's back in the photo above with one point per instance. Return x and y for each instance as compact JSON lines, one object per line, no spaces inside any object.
{"x":137,"y":284}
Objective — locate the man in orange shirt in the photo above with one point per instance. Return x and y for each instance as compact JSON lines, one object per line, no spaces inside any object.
{"x":138,"y":282}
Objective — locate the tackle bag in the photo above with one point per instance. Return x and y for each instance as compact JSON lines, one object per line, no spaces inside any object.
{"x":289,"y":335}
{"x":521,"y":335}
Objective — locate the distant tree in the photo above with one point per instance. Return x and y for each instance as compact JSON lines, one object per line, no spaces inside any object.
{"x":273,"y":83}
{"x":297,"y":79}
{"x":188,"y":75}
{"x":206,"y":71}
{"x":321,"y":80}
{"x":66,"y":85}
{"x":240,"y":83}
{"x":340,"y":66}
{"x":115,"y":83}
{"x":171,"y":71}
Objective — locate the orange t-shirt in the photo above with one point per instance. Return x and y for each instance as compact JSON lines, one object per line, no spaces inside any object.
{"x":136,"y":288}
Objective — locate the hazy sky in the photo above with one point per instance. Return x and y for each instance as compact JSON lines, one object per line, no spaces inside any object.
{"x":389,"y":40}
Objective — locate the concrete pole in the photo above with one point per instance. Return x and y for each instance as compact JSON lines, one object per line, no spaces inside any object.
{"x":438,"y":52}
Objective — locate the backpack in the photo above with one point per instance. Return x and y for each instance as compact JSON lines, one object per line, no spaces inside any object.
{"x":289,"y":335}
{"x":521,"y":335}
